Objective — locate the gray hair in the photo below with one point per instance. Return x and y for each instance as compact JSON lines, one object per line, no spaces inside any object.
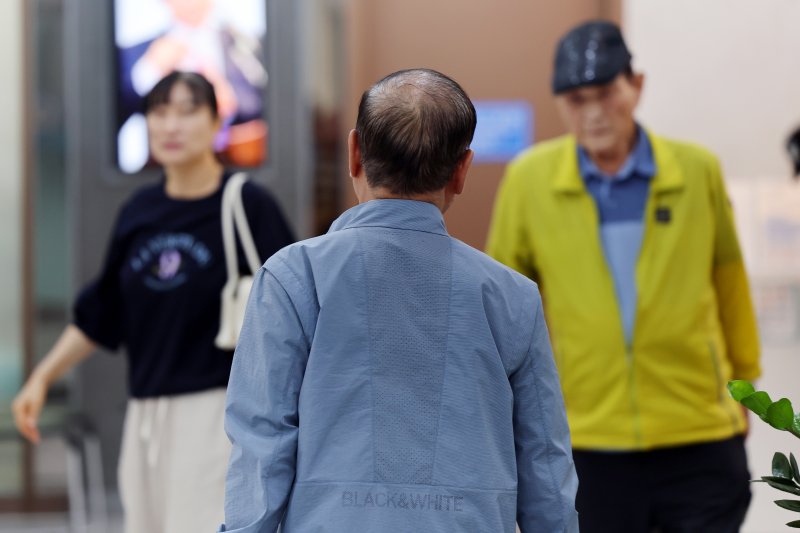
{"x":414,"y":127}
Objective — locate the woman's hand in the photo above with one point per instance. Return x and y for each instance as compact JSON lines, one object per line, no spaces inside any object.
{"x":26,"y":407}
{"x":71,"y":348}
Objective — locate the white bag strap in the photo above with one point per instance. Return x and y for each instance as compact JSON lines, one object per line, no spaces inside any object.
{"x":228,"y":242}
{"x":234,"y":216}
{"x":243,"y":228}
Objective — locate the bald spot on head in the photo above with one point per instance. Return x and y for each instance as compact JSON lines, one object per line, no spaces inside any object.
{"x":413,"y":128}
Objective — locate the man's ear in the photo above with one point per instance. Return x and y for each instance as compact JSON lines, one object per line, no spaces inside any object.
{"x":460,"y":173}
{"x":354,"y":154}
{"x":637,"y":80}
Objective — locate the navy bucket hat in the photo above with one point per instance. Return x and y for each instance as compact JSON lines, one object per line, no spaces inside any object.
{"x":593,"y":53}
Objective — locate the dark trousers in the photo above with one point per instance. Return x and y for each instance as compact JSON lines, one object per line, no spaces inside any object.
{"x":701,"y":488}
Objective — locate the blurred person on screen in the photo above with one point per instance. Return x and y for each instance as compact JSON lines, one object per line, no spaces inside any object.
{"x":198,"y":39}
{"x":632,"y":240}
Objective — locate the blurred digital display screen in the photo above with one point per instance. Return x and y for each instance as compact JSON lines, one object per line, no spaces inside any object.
{"x":505,"y":128}
{"x":221,"y":39}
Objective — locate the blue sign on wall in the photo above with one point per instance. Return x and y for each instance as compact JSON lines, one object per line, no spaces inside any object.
{"x":505,"y":128}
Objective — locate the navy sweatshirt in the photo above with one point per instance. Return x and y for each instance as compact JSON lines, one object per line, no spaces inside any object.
{"x":158,"y":293}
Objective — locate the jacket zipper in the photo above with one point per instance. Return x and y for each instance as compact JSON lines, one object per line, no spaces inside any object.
{"x":637,"y":421}
{"x":646,"y":230}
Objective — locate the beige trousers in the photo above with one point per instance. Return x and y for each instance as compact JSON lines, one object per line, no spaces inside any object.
{"x":173,"y":462}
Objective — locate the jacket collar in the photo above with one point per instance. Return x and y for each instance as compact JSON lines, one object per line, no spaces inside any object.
{"x":640,"y":162}
{"x":668,"y":175}
{"x":395,"y":214}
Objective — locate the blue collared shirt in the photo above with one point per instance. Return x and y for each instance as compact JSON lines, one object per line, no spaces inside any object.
{"x":621,"y":201}
{"x":391,"y":378}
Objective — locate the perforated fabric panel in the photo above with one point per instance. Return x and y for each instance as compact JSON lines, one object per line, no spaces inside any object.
{"x":406,"y":384}
{"x":408,"y":315}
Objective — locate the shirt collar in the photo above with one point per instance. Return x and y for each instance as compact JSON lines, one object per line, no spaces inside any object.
{"x":396,"y":214}
{"x":640,"y":162}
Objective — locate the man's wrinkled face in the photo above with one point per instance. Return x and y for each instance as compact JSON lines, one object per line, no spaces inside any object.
{"x":602,"y":116}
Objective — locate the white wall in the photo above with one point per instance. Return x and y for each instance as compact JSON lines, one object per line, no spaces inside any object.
{"x":722,"y":72}
{"x":725,"y":73}
{"x":11,"y":165}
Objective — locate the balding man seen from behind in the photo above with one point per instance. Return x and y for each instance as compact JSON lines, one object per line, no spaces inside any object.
{"x":388,"y":377}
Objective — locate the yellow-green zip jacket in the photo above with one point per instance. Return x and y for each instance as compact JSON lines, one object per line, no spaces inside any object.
{"x":694,"y":329}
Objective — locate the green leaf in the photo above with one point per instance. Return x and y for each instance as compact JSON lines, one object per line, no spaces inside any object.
{"x":795,"y":469}
{"x":796,"y":425}
{"x":781,"y":485}
{"x":780,"y":414}
{"x":740,"y":388}
{"x":758,"y":402}
{"x":781,"y":467}
{"x":779,"y":479}
{"x":794,"y":523}
{"x":792,"y":505}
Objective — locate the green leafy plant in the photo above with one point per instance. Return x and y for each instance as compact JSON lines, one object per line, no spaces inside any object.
{"x":780,"y":415}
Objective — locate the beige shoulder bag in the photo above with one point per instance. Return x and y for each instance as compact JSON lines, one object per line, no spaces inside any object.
{"x":237,"y":288}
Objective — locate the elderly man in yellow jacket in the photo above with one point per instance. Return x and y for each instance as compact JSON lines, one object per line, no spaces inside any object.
{"x":632,"y":241}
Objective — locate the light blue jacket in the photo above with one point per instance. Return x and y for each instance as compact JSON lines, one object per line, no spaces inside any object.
{"x":390,"y":378}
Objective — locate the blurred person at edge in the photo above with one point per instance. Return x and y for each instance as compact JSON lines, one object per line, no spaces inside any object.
{"x":158,"y":295}
{"x":198,"y":40}
{"x":389,"y":377}
{"x":793,"y":147}
{"x":632,"y":241}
